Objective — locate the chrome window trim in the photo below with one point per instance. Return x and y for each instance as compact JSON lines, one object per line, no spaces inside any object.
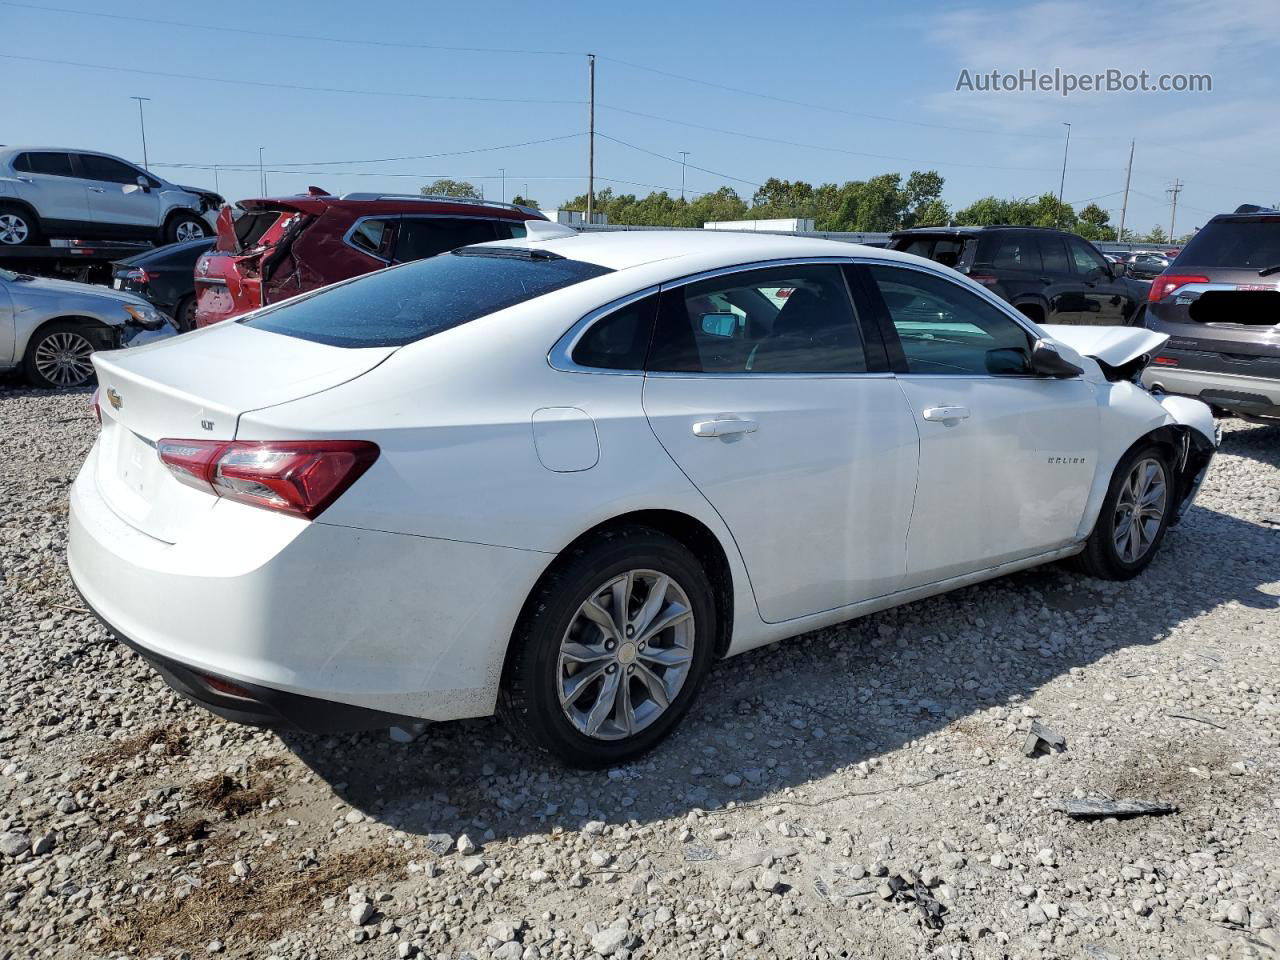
{"x":560,"y":356}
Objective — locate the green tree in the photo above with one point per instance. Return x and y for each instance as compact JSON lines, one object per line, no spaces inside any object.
{"x":450,"y":188}
{"x":922,"y":200}
{"x":722,"y":204}
{"x":520,"y":201}
{"x":1156,"y":235}
{"x":931,"y":213}
{"x":1095,"y":223}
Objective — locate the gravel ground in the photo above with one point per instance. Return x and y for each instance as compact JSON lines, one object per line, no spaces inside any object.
{"x":858,"y":792}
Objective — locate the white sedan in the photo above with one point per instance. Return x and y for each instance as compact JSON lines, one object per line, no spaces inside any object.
{"x":557,"y":477}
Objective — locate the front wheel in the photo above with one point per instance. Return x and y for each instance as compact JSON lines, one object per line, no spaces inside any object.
{"x":183,"y":227}
{"x":59,"y":356}
{"x":1134,"y":517}
{"x":611,"y":649}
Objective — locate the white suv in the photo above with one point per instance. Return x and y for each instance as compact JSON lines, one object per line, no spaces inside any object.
{"x":49,"y":192}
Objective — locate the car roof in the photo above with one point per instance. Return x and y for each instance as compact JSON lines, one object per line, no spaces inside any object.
{"x":372,"y":204}
{"x":696,"y":249}
{"x":967,"y":231}
{"x":40,"y":149}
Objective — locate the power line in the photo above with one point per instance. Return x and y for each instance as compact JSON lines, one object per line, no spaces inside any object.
{"x":283,"y":86}
{"x":286,"y":36}
{"x":662,"y":156}
{"x":423,"y":156}
{"x":830,"y":149}
{"x":829,"y":109}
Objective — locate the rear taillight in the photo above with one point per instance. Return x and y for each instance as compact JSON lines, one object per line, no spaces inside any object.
{"x":97,"y":405}
{"x":1167,"y":283}
{"x":984,"y":278}
{"x":138,"y":275}
{"x":301,"y":477}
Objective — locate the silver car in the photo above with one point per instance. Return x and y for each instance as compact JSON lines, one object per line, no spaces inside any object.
{"x":50,"y":328}
{"x":48,"y":192}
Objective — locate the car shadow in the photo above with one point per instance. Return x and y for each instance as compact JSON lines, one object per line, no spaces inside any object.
{"x":792,"y":713}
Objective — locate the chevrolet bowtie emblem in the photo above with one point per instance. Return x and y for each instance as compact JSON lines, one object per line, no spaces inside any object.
{"x":116,"y":400}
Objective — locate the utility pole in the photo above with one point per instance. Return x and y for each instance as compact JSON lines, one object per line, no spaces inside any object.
{"x":1173,"y":192}
{"x":684,"y":158}
{"x":1063,"y":182}
{"x":591,"y":136}
{"x":262,"y":176}
{"x":143,"y":124}
{"x":503,"y":171}
{"x":1128,"y":175}
{"x":216,"y":188}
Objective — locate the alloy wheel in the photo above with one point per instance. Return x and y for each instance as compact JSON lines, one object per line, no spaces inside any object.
{"x":13,"y":229}
{"x":626,"y":654}
{"x":188,"y":230}
{"x":1140,"y":510}
{"x":62,"y":358}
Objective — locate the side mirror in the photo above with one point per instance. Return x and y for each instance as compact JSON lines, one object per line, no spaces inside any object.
{"x":1046,"y":361}
{"x":1119,"y":269}
{"x":144,"y":183}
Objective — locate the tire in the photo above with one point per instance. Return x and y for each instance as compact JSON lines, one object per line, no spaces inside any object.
{"x":68,"y":340}
{"x":1112,"y":556}
{"x":183,"y":226}
{"x":537,"y":668}
{"x":19,"y":227}
{"x":184,"y":314}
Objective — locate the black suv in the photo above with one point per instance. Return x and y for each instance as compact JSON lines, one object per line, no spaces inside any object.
{"x":1219,"y":301}
{"x":1050,"y":275}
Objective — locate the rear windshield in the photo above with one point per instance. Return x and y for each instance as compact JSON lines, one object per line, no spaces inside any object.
{"x":1235,"y":243}
{"x":402,"y":304}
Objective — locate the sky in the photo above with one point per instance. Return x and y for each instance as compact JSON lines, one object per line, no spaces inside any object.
{"x":810,"y":91}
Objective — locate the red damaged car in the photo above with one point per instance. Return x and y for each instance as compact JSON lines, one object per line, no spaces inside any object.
{"x":278,"y":248}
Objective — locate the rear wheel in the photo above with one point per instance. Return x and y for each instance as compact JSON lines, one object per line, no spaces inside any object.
{"x":18,"y":227}
{"x":184,"y":314}
{"x":1135,"y":515}
{"x":611,"y":649}
{"x":58,"y":356}
{"x":185,"y":226}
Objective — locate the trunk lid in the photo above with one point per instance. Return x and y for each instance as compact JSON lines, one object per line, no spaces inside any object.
{"x":196,"y":387}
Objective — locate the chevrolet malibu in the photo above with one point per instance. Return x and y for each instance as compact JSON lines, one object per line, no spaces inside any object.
{"x":556,"y":478}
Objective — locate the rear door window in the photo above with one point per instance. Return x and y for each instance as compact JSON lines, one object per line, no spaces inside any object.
{"x":944,"y":250}
{"x":785,"y":319}
{"x":404,"y":304}
{"x":50,"y":164}
{"x":422,"y":237}
{"x":1010,"y":250}
{"x":1053,"y":252}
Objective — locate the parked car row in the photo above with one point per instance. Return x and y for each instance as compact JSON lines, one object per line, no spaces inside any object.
{"x":557,"y":476}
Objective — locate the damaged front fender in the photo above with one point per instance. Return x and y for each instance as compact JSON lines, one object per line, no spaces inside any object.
{"x":1195,"y":437}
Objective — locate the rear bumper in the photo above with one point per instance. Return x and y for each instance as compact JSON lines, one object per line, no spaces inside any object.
{"x":1244,"y":395}
{"x":258,"y":706}
{"x":310,"y":618}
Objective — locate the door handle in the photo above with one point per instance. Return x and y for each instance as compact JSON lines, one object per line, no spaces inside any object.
{"x":946,"y":413}
{"x":24,"y":179}
{"x":97,"y":190}
{"x":1046,"y":280}
{"x":724,"y":428}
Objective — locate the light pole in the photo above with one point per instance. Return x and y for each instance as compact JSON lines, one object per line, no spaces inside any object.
{"x":1063,"y":182}
{"x":684,"y":158}
{"x":262,"y":176}
{"x":143,"y":125}
{"x":503,"y":171}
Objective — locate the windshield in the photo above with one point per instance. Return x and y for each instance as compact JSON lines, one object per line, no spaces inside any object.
{"x":407,"y":303}
{"x":1245,"y":244}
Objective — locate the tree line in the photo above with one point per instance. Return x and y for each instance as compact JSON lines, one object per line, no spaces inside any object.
{"x":880,"y":204}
